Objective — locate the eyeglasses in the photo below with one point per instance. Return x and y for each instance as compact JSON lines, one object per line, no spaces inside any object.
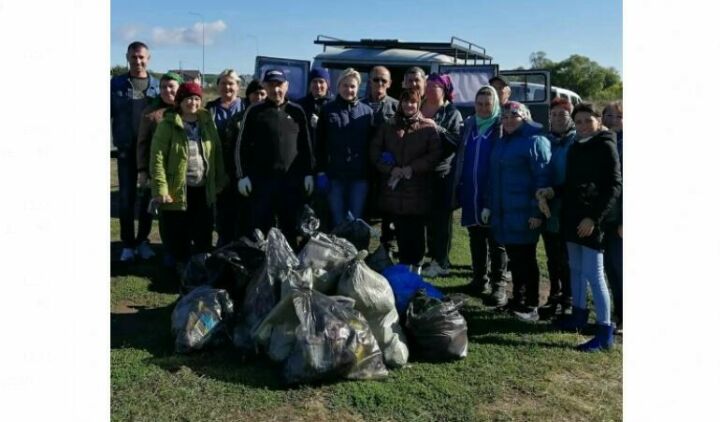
{"x":380,"y":80}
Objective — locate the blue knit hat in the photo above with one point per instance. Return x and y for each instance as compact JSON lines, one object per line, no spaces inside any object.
{"x":320,"y":73}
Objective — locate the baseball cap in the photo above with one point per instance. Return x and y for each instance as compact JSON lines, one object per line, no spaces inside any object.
{"x":499,"y":78}
{"x":274,"y":75}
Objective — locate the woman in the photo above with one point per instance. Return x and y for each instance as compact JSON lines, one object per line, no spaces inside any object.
{"x":439,"y":107}
{"x":186,"y":166}
{"x":343,"y":134}
{"x":592,"y":186}
{"x":406,"y":151}
{"x":222,"y":109}
{"x":613,"y":257}
{"x":151,"y":116}
{"x":518,"y":167}
{"x":561,"y":136}
{"x":480,"y":133}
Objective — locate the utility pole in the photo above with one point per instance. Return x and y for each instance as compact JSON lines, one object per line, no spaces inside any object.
{"x":202,"y":77}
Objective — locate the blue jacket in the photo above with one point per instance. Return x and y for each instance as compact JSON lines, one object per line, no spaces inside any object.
{"x":519,"y":165}
{"x":559,"y":146}
{"x":473,"y":172}
{"x":124,"y":129}
{"x":344,"y":131}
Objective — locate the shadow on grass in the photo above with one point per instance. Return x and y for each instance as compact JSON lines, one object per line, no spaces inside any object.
{"x":142,"y":328}
{"x":162,"y":279}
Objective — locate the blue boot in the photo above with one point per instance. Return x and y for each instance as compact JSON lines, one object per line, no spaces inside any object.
{"x":603,"y":340}
{"x":575,"y":322}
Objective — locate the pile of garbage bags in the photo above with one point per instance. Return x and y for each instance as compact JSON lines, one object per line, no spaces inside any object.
{"x":331,"y":311}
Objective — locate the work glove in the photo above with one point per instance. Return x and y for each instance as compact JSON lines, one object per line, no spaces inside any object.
{"x":143,"y":180}
{"x":323,"y":183}
{"x":485,"y":216}
{"x":313,"y":120}
{"x":387,"y":158}
{"x":443,"y":169}
{"x":309,"y":185}
{"x":407,"y":172}
{"x":244,"y":186}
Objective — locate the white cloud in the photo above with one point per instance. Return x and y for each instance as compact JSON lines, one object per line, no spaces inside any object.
{"x":192,"y":35}
{"x":129,"y":32}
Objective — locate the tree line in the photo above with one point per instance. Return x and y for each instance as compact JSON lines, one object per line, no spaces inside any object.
{"x":582,"y":75}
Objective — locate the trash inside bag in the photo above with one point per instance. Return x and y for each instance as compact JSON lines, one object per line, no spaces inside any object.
{"x":356,"y":231}
{"x":309,"y":223}
{"x":404,"y":284}
{"x":374,"y":299}
{"x":200,"y":319}
{"x":330,"y":254}
{"x":436,"y":329}
{"x":332,"y":340}
{"x":379,"y":260}
{"x":195,"y":273}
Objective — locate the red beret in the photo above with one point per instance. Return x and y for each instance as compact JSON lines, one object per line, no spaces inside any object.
{"x":187,"y":89}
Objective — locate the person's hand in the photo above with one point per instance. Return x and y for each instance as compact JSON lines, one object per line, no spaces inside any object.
{"x":143,"y":179}
{"x":534,"y":223}
{"x":322,"y":183}
{"x":544,"y":208}
{"x":585,"y":228}
{"x":309,"y":184}
{"x":443,"y":169}
{"x":163,"y":199}
{"x":620,"y":231}
{"x":485,"y":216}
{"x":547,"y":193}
{"x":407,"y":172}
{"x":313,"y":120}
{"x":396,"y":173}
{"x":244,"y":186}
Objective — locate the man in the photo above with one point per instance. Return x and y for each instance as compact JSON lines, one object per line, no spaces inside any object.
{"x":415,"y":78}
{"x":383,"y":105}
{"x":502,"y":87}
{"x":274,"y":159}
{"x":130,"y":93}
{"x":316,"y":98}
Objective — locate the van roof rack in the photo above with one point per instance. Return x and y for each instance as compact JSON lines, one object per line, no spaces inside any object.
{"x":456,"y":48}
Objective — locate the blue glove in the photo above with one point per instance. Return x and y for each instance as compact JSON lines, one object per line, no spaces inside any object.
{"x":388,"y":159}
{"x":322,"y":183}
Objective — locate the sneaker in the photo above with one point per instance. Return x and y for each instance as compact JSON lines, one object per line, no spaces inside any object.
{"x":498,"y":297}
{"x":434,"y":270}
{"x":127,"y":255}
{"x":145,"y":251}
{"x":528,"y":314}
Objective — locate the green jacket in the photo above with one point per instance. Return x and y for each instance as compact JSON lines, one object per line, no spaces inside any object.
{"x":169,"y":155}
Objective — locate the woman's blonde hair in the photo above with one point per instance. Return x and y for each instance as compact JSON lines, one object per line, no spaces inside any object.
{"x":349,"y":73}
{"x":228,"y":73}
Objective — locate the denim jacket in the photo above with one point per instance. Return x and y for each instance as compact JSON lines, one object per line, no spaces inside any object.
{"x":121,"y":116}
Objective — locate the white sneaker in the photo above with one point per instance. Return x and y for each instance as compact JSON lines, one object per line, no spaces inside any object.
{"x":127,"y":255}
{"x":145,"y":251}
{"x":434,"y":270}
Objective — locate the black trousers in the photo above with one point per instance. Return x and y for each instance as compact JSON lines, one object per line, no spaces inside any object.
{"x":439,"y":235}
{"x":193,"y":227}
{"x":488,"y":256}
{"x":558,"y":267}
{"x":280,"y":196}
{"x":128,"y":195}
{"x":525,"y":272}
{"x":410,"y":231}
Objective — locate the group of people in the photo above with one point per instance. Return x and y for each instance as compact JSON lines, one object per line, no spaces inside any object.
{"x":238,"y":165}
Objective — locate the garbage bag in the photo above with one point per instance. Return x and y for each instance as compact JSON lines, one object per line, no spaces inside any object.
{"x":405,"y":284}
{"x":332,"y":340}
{"x":354,"y":230}
{"x":201,"y":318}
{"x":436,"y":329}
{"x":309,"y":223}
{"x":330,"y":254}
{"x":374,"y":299}
{"x":195,"y":273}
{"x":227,"y":270}
{"x":379,"y":260}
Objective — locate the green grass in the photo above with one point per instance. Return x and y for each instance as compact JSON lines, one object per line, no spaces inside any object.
{"x":514,"y":370}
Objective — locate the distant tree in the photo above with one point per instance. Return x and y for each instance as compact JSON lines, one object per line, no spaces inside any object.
{"x":539,"y":60}
{"x":118,"y":70}
{"x":580,"y":74}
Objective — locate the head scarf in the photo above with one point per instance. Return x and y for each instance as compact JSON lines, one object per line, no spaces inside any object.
{"x":483,"y":123}
{"x":445,"y":82}
{"x":169,"y":76}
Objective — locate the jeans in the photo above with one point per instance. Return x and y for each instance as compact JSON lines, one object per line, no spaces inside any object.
{"x":127,"y":179}
{"x":410,"y":230}
{"x":192,"y":227}
{"x":347,"y":195}
{"x":558,"y":267}
{"x":525,"y":272}
{"x":439,"y":235}
{"x":482,"y":247}
{"x":277,"y":196}
{"x":613,"y":261}
{"x":586,"y":265}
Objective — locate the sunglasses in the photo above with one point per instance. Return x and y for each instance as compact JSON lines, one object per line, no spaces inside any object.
{"x":380,"y":80}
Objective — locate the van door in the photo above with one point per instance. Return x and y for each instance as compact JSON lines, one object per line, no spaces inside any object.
{"x":296,"y":72}
{"x":532,"y":88}
{"x":467,"y":79}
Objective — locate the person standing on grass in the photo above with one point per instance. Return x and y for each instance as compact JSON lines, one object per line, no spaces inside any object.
{"x":274,"y":159}
{"x":561,"y":136}
{"x":152,"y":115}
{"x":130,"y":93}
{"x":480,"y":134}
{"x":222,"y":109}
{"x":592,"y":186}
{"x":187,"y":171}
{"x":439,"y":107}
{"x":344,"y":130}
{"x":519,"y":165}
{"x":613,"y":257}
{"x":405,"y":151}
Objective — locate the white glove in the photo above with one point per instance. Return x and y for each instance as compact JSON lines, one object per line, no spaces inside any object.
{"x":485,"y":215}
{"x":309,"y":185}
{"x":143,"y":179}
{"x":244,"y":186}
{"x":313,"y":120}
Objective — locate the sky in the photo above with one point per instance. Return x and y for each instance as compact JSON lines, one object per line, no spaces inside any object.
{"x":237,"y":31}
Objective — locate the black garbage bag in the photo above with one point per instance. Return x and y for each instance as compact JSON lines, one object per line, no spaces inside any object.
{"x":201,"y":319}
{"x":379,"y":260}
{"x":309,"y":223}
{"x":330,"y":254}
{"x":356,"y":231}
{"x":331,"y":340}
{"x":436,"y":330}
{"x":195,"y":273}
{"x":231,"y":267}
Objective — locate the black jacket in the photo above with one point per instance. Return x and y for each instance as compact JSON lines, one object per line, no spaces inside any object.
{"x":310,"y":106}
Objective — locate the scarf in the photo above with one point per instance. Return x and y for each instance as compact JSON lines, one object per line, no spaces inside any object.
{"x":483,"y":123}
